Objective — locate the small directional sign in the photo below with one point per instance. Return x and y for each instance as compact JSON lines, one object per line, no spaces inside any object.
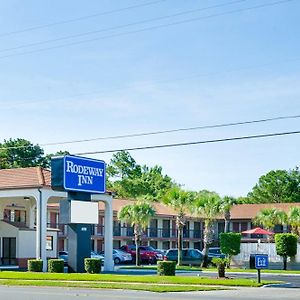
{"x":261,"y":261}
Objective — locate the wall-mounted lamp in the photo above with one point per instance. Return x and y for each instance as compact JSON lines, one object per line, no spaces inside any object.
{"x":26,"y":198}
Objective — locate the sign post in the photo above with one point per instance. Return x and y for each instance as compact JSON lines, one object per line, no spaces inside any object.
{"x":80,"y":177}
{"x":261,"y":262}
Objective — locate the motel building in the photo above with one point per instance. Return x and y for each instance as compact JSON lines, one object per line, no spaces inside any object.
{"x":30,"y":225}
{"x":25,"y":233}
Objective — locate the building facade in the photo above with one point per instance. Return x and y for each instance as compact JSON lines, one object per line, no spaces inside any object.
{"x":21,"y":236}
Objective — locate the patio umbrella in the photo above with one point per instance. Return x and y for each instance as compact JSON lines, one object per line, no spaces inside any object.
{"x":257,"y":230}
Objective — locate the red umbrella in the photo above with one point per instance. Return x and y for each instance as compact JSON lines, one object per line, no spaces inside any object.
{"x":257,"y":230}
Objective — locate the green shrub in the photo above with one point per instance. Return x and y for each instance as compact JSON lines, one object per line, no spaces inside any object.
{"x":221,"y":265}
{"x":55,"y":265}
{"x":166,"y":268}
{"x":92,"y":265}
{"x":286,"y":246}
{"x":230,"y":243}
{"x":35,"y":265}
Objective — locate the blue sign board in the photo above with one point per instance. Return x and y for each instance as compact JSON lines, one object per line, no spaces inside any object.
{"x":83,"y":174}
{"x":261,"y":261}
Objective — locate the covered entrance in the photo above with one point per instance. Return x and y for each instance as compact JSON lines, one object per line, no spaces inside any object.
{"x":26,"y":235}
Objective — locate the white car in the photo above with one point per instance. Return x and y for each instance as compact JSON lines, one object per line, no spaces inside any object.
{"x":120,"y":256}
{"x":96,"y":255}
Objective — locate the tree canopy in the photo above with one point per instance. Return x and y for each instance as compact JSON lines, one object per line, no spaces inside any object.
{"x":138,"y":214}
{"x":277,"y":186}
{"x":131,"y":180}
{"x":179,"y":200}
{"x":207,"y":206}
{"x":20,"y":153}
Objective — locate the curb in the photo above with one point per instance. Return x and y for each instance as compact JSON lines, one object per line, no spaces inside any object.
{"x":279,"y":285}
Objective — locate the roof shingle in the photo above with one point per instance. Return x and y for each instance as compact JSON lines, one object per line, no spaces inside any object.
{"x":24,"y":178}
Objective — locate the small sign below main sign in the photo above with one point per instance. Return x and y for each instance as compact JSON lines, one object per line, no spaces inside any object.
{"x":78,"y":174}
{"x":261,"y":261}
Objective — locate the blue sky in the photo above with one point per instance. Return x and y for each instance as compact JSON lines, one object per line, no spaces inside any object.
{"x":229,"y":64}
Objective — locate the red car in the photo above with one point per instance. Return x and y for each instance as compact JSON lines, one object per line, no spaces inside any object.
{"x":148,"y":254}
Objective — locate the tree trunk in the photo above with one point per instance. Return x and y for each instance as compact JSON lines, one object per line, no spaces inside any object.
{"x":206,"y":242}
{"x":227,"y":218}
{"x":180,"y":233}
{"x":221,"y":270}
{"x":284,"y":262}
{"x":137,"y":246}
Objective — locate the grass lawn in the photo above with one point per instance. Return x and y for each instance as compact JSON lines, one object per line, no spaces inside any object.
{"x":118,"y":279}
{"x":187,"y":268}
{"x":102,"y":285}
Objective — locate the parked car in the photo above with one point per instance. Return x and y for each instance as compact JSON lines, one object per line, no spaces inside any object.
{"x":119,"y":256}
{"x":162,"y":251}
{"x":148,"y":254}
{"x":97,"y":255}
{"x":158,"y":254}
{"x":190,"y":256}
{"x":63,"y":255}
{"x":215,"y":252}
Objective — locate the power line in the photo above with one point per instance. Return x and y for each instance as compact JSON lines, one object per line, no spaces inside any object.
{"x":122,"y":26}
{"x":175,"y":130}
{"x":149,"y":28}
{"x":220,"y":125}
{"x":258,"y":136}
{"x":248,"y":137}
{"x":80,"y":18}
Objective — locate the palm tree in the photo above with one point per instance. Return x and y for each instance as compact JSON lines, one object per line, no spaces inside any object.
{"x":179,"y":200}
{"x":269,"y":217}
{"x":207,"y":206}
{"x":226,"y":204}
{"x":294,"y":219}
{"x":138,"y":215}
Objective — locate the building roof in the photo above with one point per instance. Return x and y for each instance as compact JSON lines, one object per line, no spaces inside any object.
{"x":160,"y":208}
{"x":241,"y":211}
{"x":24,"y":178}
{"x":249,"y":211}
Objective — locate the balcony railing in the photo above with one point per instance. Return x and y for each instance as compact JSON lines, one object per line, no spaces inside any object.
{"x":127,"y":231}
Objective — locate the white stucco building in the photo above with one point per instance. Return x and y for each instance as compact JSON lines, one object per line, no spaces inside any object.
{"x":25,"y":194}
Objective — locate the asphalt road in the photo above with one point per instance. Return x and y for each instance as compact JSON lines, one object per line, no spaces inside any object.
{"x":39,"y":293}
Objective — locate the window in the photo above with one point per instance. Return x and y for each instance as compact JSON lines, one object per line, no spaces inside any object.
{"x":186,"y":244}
{"x":153,"y":244}
{"x":197,"y":229}
{"x":195,"y":254}
{"x":153,"y":228}
{"x":166,"y":245}
{"x":166,"y":228}
{"x":49,"y":243}
{"x":236,"y":227}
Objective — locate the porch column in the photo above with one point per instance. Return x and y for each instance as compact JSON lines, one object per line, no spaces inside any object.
{"x":41,"y":227}
{"x":108,"y":237}
{"x":30,"y":208}
{"x":2,"y":206}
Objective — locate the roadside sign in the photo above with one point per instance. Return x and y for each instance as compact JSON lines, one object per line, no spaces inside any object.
{"x":78,"y":174}
{"x":261,"y":261}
